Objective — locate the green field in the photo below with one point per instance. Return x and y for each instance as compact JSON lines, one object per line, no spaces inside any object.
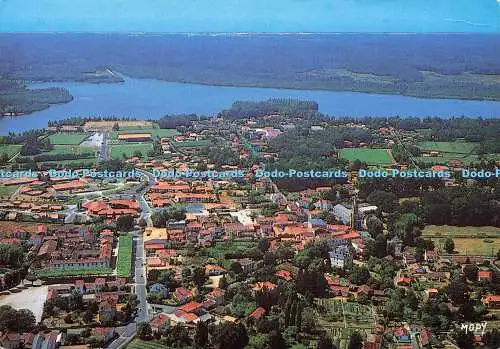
{"x":457,"y":147}
{"x":10,"y":149}
{"x":62,"y":163}
{"x":155,"y":132}
{"x":7,"y":190}
{"x":447,"y":158}
{"x":128,"y":149}
{"x":192,"y":144}
{"x":140,"y":344}
{"x":124,"y":261}
{"x":64,"y":149}
{"x":454,"y":231}
{"x":67,"y":138}
{"x":370,"y":156}
{"x":72,"y":272}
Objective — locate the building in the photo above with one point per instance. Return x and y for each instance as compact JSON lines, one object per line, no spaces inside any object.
{"x":341,"y":257}
{"x":135,"y":137}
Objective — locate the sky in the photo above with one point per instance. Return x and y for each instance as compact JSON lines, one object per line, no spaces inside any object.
{"x":249,"y":15}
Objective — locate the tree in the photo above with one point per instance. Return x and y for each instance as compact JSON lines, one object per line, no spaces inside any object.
{"x":88,"y":316}
{"x":264,"y":244}
{"x":116,"y":127}
{"x":201,"y":335}
{"x":199,"y":277}
{"x":386,"y":201}
{"x":308,"y":320}
{"x":142,"y":222}
{"x":449,"y":245}
{"x":355,"y":341}
{"x":236,"y":268}
{"x":125,"y":223}
{"x":144,"y":330}
{"x":25,"y":320}
{"x":492,"y":338}
{"x":325,"y":342}
{"x":359,"y":275}
{"x":276,"y":340}
{"x":231,"y":336}
{"x":8,"y":318}
{"x":457,"y":291}
{"x":470,"y":272}
{"x":48,"y":308}
{"x":465,"y":340}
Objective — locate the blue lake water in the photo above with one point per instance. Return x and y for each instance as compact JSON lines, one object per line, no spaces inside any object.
{"x":148,"y":98}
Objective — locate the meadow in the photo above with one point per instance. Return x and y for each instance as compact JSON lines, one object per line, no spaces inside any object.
{"x":10,"y":149}
{"x":458,"y":147}
{"x":370,"y":156}
{"x":67,"y":138}
{"x":129,"y":149}
{"x":124,"y":261}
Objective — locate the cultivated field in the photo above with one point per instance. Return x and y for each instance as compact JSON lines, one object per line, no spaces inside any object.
{"x":370,"y":156}
{"x":10,"y":149}
{"x":68,"y":138}
{"x":453,"y":231}
{"x":128,"y":149}
{"x":448,"y":147}
{"x":124,"y":261}
{"x":487,"y":247}
{"x":64,"y":149}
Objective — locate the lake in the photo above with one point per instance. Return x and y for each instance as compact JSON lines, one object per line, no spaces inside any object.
{"x":149,"y":98}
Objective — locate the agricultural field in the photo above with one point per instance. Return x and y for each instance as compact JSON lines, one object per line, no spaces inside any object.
{"x":140,"y":344}
{"x":447,"y":158}
{"x":337,"y":313}
{"x":64,"y":149}
{"x":454,"y":231}
{"x":155,"y":132}
{"x":67,"y":138}
{"x":192,"y":144}
{"x":7,"y":190}
{"x":458,"y":147}
{"x":10,"y":149}
{"x":129,"y":149}
{"x":124,"y":261}
{"x":72,"y":272}
{"x":487,"y":247}
{"x":370,"y":156}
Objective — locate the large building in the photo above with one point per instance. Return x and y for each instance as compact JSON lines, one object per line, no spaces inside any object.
{"x":341,"y":257}
{"x":135,"y":137}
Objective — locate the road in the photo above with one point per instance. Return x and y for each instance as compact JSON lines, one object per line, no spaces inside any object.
{"x":128,"y":332}
{"x":139,"y":287}
{"x":103,"y":154}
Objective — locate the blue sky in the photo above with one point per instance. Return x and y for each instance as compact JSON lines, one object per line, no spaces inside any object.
{"x":249,"y":15}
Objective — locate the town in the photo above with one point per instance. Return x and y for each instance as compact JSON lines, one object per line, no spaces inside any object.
{"x":152,"y":260}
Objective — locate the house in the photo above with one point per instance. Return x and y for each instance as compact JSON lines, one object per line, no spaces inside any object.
{"x":484,"y":275}
{"x":190,"y":307}
{"x":159,"y":322}
{"x":135,"y":137}
{"x":213,"y":269}
{"x":159,"y":289}
{"x":10,"y":340}
{"x":108,"y":333}
{"x":179,"y":316}
{"x":264,"y":286}
{"x":491,"y":301}
{"x":284,"y":274}
{"x":183,"y":295}
{"x":341,"y":257}
{"x":217,"y":295}
{"x":431,"y":292}
{"x":257,"y":313}
{"x":402,"y":281}
{"x":395,"y":245}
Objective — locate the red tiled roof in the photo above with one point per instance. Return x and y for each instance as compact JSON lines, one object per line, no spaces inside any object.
{"x":257,"y":313}
{"x":190,"y":307}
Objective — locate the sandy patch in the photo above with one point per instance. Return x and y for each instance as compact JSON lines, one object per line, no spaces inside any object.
{"x":31,"y":298}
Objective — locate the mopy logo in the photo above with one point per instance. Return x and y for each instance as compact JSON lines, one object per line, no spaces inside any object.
{"x":473,"y":327}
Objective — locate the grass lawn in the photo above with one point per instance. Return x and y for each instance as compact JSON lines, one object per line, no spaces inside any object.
{"x":124,"y":261}
{"x":10,"y":149}
{"x":370,"y":156}
{"x":73,"y":272}
{"x":64,"y":149}
{"x":192,"y":144}
{"x":468,"y":231}
{"x":63,"y":163}
{"x":68,"y":138}
{"x":458,"y":147}
{"x":128,"y":149}
{"x":140,"y":344}
{"x":473,"y":246}
{"x":7,"y":190}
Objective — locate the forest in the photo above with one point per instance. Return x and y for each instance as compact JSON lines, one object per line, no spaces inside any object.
{"x":424,"y":65}
{"x":16,"y":98}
